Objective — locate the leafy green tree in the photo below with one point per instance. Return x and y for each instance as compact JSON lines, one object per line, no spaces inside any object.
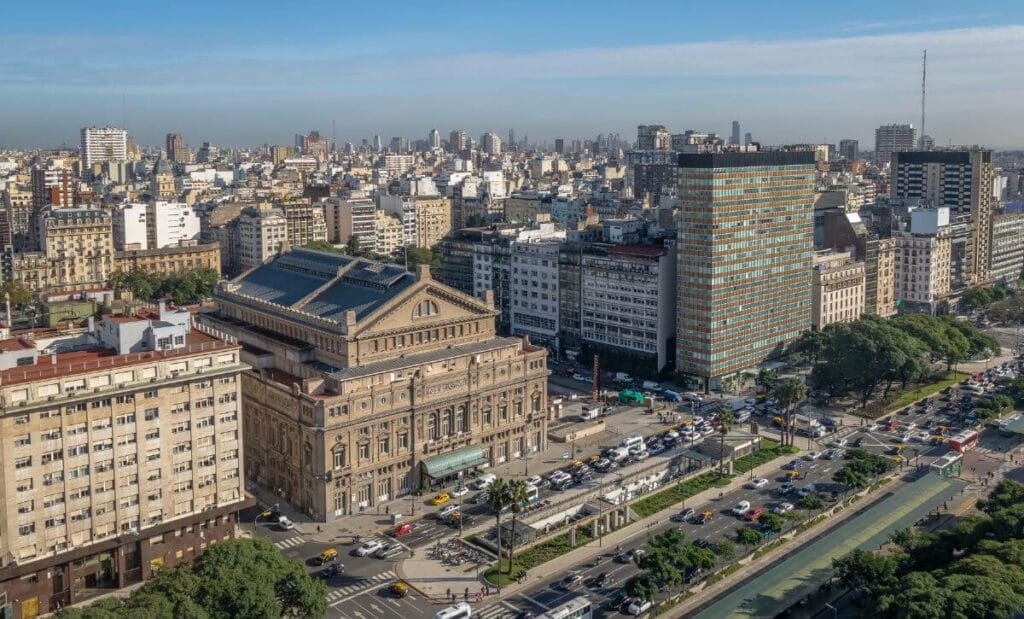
{"x":19,"y":294}
{"x":499,"y":499}
{"x":771,"y":522}
{"x":352,"y":246}
{"x":1007,"y":493}
{"x":323,"y":246}
{"x":748,"y":536}
{"x":811,"y":502}
{"x":659,"y":565}
{"x":642,"y":587}
{"x":862,"y":569}
{"x":766,"y":379}
{"x":975,"y":297}
{"x":850,"y":478}
{"x":725,"y":549}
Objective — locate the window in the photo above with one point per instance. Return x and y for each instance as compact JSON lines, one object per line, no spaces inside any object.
{"x":339,"y":457}
{"x":23,"y":440}
{"x":383,"y":446}
{"x":403,"y":440}
{"x":151,"y":414}
{"x":364,"y":451}
{"x":22,"y":463}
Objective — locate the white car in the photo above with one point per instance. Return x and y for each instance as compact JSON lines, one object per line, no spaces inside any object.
{"x":840,"y":443}
{"x":448,"y":510}
{"x":639,"y":607}
{"x":741,"y":508}
{"x":923,"y":437}
{"x":875,"y":427}
{"x":904,"y":438}
{"x":782,"y":508}
{"x":535,"y":481}
{"x":812,"y":455}
{"x":368,"y":548}
{"x":459,"y":491}
{"x":757,"y":484}
{"x":581,"y":378}
{"x":285,"y":523}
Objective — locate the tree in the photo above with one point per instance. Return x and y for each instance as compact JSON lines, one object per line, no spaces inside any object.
{"x":974,"y":298}
{"x":766,"y":379}
{"x":725,"y":419}
{"x":518,"y":499}
{"x":771,"y":522}
{"x":862,"y":569}
{"x":660,"y":566}
{"x":352,"y":246}
{"x":1007,"y":493}
{"x":850,"y":478}
{"x":725,"y":549}
{"x":789,"y":393}
{"x":322,"y":246}
{"x":641,"y":586}
{"x":235,"y":578}
{"x":811,"y":502}
{"x":498,"y":499}
{"x":748,"y":536}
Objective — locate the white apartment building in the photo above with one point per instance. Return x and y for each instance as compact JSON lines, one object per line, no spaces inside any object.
{"x":155,"y":225}
{"x":261,"y":233}
{"x":425,"y":219}
{"x":627,"y":300}
{"x":491,"y":143}
{"x":923,"y":255}
{"x":837,"y":289}
{"x":130,"y":227}
{"x":389,"y":233}
{"x":102,"y":144}
{"x":534,"y":289}
{"x":398,"y":164}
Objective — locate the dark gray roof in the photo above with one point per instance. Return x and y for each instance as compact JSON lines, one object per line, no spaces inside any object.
{"x":408,"y":361}
{"x":291,"y":277}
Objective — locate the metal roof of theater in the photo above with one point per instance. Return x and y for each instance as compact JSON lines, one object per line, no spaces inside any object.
{"x":325,"y":284}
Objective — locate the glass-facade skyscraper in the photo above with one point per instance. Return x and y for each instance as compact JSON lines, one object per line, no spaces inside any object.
{"x":745,"y":245}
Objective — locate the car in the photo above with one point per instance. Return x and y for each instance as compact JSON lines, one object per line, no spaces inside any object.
{"x":481,"y":498}
{"x":601,"y":580}
{"x":561,"y":484}
{"x":385,"y":549}
{"x":753,"y":514}
{"x":812,"y":455}
{"x":399,"y":589}
{"x":643,"y":455}
{"x":572,"y":579}
{"x":806,"y":490}
{"x":638,"y":607}
{"x":684,"y":515}
{"x":909,"y":426}
{"x":923,"y":437}
{"x":655,"y":449}
{"x":448,"y":510}
{"x":535,"y":481}
{"x":840,"y":442}
{"x":903,"y":438}
{"x":601,"y":464}
{"x":333,"y":570}
{"x":757,"y":484}
{"x":875,"y":427}
{"x":741,"y":508}
{"x":459,"y":491}
{"x":285,"y":524}
{"x":403,"y":529}
{"x":368,"y":548}
{"x":792,"y":465}
{"x":581,"y":378}
{"x":328,"y":555}
{"x":782,"y":508}
{"x":787,"y":487}
{"x":440,"y":499}
{"x":704,"y":517}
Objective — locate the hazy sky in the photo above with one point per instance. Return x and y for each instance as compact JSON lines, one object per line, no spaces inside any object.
{"x":245,"y":73}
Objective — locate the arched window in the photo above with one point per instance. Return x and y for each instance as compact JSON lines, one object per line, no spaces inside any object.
{"x":432,"y":426}
{"x":446,"y":423}
{"x":425,"y":308}
{"x":462,"y":420}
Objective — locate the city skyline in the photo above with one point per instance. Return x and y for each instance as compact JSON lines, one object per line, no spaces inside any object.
{"x":230,"y":77}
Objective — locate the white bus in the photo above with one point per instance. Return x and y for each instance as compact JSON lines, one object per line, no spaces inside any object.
{"x":459,"y":611}
{"x":576,"y":608}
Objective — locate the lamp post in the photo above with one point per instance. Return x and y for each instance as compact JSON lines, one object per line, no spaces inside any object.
{"x":461,"y":494}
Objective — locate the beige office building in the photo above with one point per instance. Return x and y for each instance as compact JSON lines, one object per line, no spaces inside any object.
{"x":388,"y":234}
{"x":120,"y":457}
{"x":261,"y":232}
{"x":370,"y":383}
{"x":837,"y":289}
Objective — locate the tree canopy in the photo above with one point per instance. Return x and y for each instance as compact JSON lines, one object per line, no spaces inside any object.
{"x":182,"y":288}
{"x":246,"y":578}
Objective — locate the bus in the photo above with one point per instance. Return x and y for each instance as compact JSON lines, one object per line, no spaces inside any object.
{"x":968,"y":439}
{"x":532,"y":495}
{"x":948,"y":465}
{"x":576,"y":608}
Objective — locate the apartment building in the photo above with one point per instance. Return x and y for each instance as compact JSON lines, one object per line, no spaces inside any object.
{"x":103,"y":144}
{"x":348,"y":218}
{"x":122,"y":455}
{"x":880,"y":276}
{"x":1007,"y":247}
{"x":745,"y":242}
{"x":261,"y":232}
{"x":425,"y":219}
{"x":627,"y":303}
{"x":305,"y":222}
{"x":388,"y":232}
{"x":837,"y":289}
{"x":894,"y":138}
{"x":77,"y":252}
{"x":170,"y":260}
{"x":958,"y":180}
{"x":372,"y":383}
{"x":923,"y":262}
{"x":534,"y":285}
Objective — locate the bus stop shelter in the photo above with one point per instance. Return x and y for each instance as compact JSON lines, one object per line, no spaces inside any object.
{"x":442,"y":468}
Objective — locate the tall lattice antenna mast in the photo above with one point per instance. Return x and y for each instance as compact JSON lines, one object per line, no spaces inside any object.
{"x":924,"y":78}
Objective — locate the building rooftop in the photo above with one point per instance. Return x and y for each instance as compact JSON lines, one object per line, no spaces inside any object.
{"x":410,"y":361}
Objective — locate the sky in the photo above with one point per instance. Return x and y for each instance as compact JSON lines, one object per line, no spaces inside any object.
{"x":254,"y":72}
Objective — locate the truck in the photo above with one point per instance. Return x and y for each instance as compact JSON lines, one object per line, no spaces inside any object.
{"x":622,"y":377}
{"x":629,"y":396}
{"x":651,"y":385}
{"x":805,"y":421}
{"x":671,"y":396}
{"x":591,"y":411}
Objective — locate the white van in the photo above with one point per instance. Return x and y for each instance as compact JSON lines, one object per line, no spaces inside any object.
{"x":632,"y":441}
{"x":650,"y":384}
{"x":619,"y":454}
{"x":484,"y":481}
{"x":459,"y":611}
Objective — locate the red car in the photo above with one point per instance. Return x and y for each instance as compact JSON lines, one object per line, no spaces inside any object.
{"x":402,"y":529}
{"x":753,"y":514}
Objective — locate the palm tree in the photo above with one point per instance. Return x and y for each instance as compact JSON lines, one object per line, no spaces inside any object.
{"x":725,"y":420}
{"x":789,"y":393}
{"x":497,"y":500}
{"x":519,"y":500}
{"x":766,"y":379}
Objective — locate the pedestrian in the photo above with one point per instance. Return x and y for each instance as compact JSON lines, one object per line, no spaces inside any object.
{"x":465,"y":596}
{"x":449,"y":593}
{"x":387,"y":510}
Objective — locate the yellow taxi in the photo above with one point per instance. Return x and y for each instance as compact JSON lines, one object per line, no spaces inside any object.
{"x":575,"y":464}
{"x":441,"y":498}
{"x":593,"y":458}
{"x":938,"y":439}
{"x":399,"y":589}
{"x":328,"y":555}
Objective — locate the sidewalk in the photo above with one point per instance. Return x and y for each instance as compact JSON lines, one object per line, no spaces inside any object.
{"x":433,"y":579}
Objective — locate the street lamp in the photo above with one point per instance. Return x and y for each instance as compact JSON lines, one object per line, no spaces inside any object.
{"x":461,"y":494}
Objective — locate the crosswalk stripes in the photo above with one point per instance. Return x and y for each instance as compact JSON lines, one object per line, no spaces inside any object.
{"x":357,"y":586}
{"x":295,"y":540}
{"x":502,"y":610}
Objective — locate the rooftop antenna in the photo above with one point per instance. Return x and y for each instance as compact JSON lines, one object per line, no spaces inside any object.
{"x":924,"y":77}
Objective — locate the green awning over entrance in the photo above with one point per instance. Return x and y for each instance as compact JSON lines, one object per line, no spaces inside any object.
{"x":447,"y":464}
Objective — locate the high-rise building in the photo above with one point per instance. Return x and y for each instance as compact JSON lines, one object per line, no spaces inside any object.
{"x":261,"y":232}
{"x":458,"y":140}
{"x":848,"y":149}
{"x":893,"y":138}
{"x":745,"y":242}
{"x":960,"y":180}
{"x":491,"y":143}
{"x":378,"y":146}
{"x":735,"y":138}
{"x":154,"y":225}
{"x":176,"y":150}
{"x":837,"y":289}
{"x":748,"y":139}
{"x":305,"y":221}
{"x":652,"y":137}
{"x":404,"y":385}
{"x":434,"y":139}
{"x":124,"y":455}
{"x":425,"y":219}
{"x":351,"y":218}
{"x":560,"y":146}
{"x":279,"y":153}
{"x":315,"y":146}
{"x":102,"y":144}
{"x":923,"y":262}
